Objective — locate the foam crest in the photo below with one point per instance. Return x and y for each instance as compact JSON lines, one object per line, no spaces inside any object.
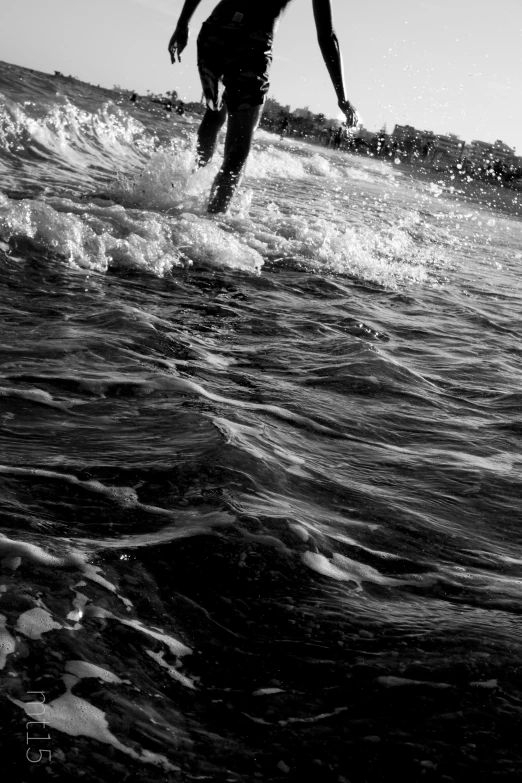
{"x":75,"y":716}
{"x":100,"y":239}
{"x":273,"y":162}
{"x":84,"y":670}
{"x":204,"y":242}
{"x":320,"y":166}
{"x":10,"y":126}
{"x":7,"y":643}
{"x":343,"y":569}
{"x":387,"y":255}
{"x":35,"y":554}
{"x":36,"y":622}
{"x":64,"y":235}
{"x":38,"y":396}
{"x":73,"y":135}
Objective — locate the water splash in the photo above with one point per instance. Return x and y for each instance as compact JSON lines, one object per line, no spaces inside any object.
{"x":72,"y":137}
{"x":152,"y":216}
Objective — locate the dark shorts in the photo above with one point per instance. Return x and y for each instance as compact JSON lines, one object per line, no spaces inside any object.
{"x":234,"y":66}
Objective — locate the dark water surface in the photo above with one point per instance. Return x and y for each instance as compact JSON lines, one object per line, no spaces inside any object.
{"x":260,"y":474}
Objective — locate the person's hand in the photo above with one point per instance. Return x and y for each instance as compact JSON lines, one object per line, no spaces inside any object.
{"x":352,"y":118}
{"x":178,"y":42}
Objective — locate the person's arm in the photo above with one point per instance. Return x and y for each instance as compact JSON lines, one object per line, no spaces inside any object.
{"x":179,"y":37}
{"x":329,"y":46}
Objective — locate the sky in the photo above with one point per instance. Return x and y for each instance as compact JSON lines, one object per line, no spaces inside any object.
{"x":451,"y":66}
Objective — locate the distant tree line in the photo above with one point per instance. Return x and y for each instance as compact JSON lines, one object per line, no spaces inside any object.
{"x":301,"y":123}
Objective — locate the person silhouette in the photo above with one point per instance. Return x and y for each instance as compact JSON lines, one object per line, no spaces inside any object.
{"x":234,"y":59}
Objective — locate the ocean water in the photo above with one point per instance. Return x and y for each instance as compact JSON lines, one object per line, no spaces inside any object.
{"x":260,"y":473}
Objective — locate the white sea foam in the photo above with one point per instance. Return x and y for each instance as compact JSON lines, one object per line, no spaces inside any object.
{"x":388,"y":256}
{"x":159,"y":223}
{"x":158,"y":657}
{"x":73,"y":137}
{"x":84,"y":669}
{"x":7,"y":643}
{"x":176,"y":647}
{"x":36,"y":622}
{"x":77,"y":717}
{"x":150,"y":242}
{"x":343,"y":569}
{"x":273,"y":162}
{"x":146,"y":245}
{"x":36,"y":554}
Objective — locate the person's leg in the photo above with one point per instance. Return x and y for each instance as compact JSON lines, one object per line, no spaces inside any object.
{"x":208,"y":133}
{"x":240,"y":133}
{"x":212,"y":47}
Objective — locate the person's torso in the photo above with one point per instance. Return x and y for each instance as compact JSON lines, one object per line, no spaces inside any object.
{"x":254,"y":15}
